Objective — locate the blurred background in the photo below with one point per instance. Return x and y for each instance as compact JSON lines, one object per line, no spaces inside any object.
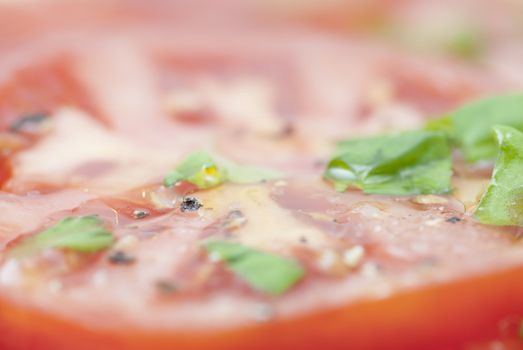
{"x":375,"y":62}
{"x":462,"y":28}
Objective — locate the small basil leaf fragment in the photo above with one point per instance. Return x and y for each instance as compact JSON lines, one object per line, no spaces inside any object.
{"x":246,"y":174}
{"x":470,"y":126}
{"x":82,"y":234}
{"x":409,"y":163}
{"x":502,"y":202}
{"x":199,"y":168}
{"x":466,"y":44}
{"x":266,"y":272}
{"x":206,"y":171}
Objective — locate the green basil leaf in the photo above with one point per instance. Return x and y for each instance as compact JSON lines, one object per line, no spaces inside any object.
{"x":205,"y":171}
{"x":82,"y":234}
{"x":409,"y":163}
{"x":466,"y":44}
{"x":199,"y":168}
{"x":266,"y":272}
{"x":470,"y":126}
{"x":246,"y":174}
{"x":502,"y":202}
{"x":443,"y":124}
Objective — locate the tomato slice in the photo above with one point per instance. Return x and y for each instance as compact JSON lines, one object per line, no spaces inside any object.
{"x":434,"y":284}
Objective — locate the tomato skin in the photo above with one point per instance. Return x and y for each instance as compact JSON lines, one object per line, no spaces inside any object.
{"x":438,"y":317}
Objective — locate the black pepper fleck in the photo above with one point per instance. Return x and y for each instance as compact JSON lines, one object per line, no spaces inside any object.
{"x":166,"y":287}
{"x":234,"y":220}
{"x":429,"y":262}
{"x":121,"y":258}
{"x":453,"y":220}
{"x":263,"y":312}
{"x":140,"y":213}
{"x":30,"y":121}
{"x":319,"y":163}
{"x":190,"y":204}
{"x":287,"y":130}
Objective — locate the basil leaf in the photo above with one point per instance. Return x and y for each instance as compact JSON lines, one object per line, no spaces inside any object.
{"x":82,"y":234}
{"x":470,"y":126}
{"x":502,"y":203}
{"x":466,"y":44}
{"x":205,"y":171}
{"x":246,"y":174}
{"x":199,"y":169}
{"x":266,"y":272}
{"x":416,"y":162}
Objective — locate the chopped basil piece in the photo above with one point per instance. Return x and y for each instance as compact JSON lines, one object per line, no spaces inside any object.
{"x":199,"y":169}
{"x":82,"y":234}
{"x":266,"y":272}
{"x":502,"y":202}
{"x":205,"y":171}
{"x":466,"y":44}
{"x":470,"y":126}
{"x":460,"y":39}
{"x":409,"y":163}
{"x":246,"y":174}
